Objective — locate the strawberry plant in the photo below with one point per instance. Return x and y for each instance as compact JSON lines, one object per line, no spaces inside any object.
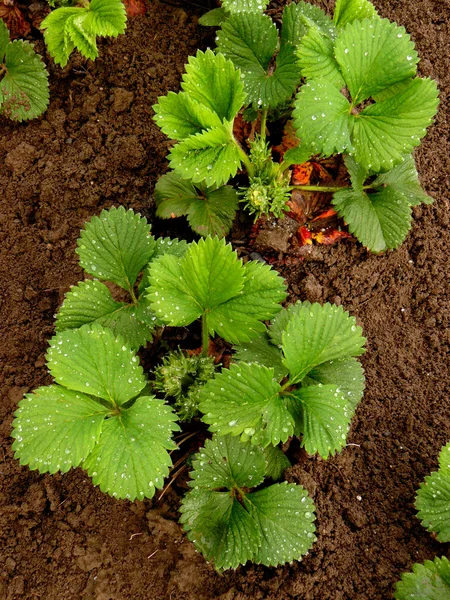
{"x":23,"y":79}
{"x":298,"y":376}
{"x":358,"y":96}
{"x":70,"y":27}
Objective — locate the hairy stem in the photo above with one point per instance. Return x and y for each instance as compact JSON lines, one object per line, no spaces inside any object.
{"x":263,"y":124}
{"x":245,"y":159}
{"x":205,"y":334}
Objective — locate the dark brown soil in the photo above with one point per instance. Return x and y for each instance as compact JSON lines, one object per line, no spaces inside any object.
{"x":96,"y":146}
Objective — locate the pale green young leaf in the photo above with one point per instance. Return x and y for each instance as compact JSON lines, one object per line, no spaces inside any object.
{"x":285,"y":517}
{"x":24,"y":92}
{"x":346,"y":373}
{"x":106,"y":18}
{"x":316,"y":58}
{"x":242,"y":6}
{"x":244,"y":400}
{"x":430,"y":581}
{"x":299,"y":18}
{"x":214,"y":17}
{"x":364,"y":48}
{"x":276,"y":462}
{"x":227,"y":462}
{"x":131,"y":457}
{"x":56,"y":429}
{"x":220,"y":528}
{"x":93,"y":361}
{"x":347,"y":11}
{"x":239,"y":319}
{"x":260,"y":350}
{"x":211,"y":157}
{"x":179,"y":116}
{"x":4,"y":39}
{"x":322,"y":118}
{"x":116,"y":246}
{"x":316,"y":334}
{"x":384,"y":132}
{"x":404,"y":180}
{"x":433,"y":498}
{"x":168,"y":246}
{"x":56,"y":32}
{"x":326,"y":418}
{"x":84,"y":40}
{"x":214,"y":82}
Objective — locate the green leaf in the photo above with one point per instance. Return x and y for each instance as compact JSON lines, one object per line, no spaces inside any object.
{"x":106,"y":18}
{"x":297,"y":155}
{"x":214,"y":82}
{"x":55,"y":429}
{"x":242,"y":6}
{"x":214,"y":17}
{"x":316,"y":58}
{"x":430,"y":581}
{"x":167,"y":246}
{"x":24,"y":92}
{"x":433,"y":499}
{"x":261,"y":351}
{"x":326,"y":418}
{"x":130,"y":459}
{"x":285,"y":515}
{"x":116,"y":246}
{"x":358,"y":174}
{"x":56,"y":28}
{"x":92,"y":360}
{"x":211,"y":157}
{"x":404,"y":180}
{"x":301,"y":17}
{"x":316,"y":334}
{"x":279,"y":324}
{"x":384,"y":132}
{"x":227,"y":462}
{"x":347,"y":11}
{"x":83,"y":40}
{"x":239,"y":318}
{"x":244,"y":400}
{"x":322,"y":118}
{"x":209,"y":211}
{"x":4,"y":39}
{"x":276,"y":462}
{"x":179,"y":116}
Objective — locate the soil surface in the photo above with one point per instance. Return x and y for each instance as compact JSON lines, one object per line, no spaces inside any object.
{"x":97,"y":146}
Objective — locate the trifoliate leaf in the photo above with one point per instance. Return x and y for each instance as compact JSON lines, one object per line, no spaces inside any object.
{"x":214,"y":17}
{"x":433,"y":499}
{"x":316,"y":58}
{"x":430,"y":581}
{"x":130,"y":459}
{"x":106,"y":18}
{"x":240,"y":318}
{"x":240,"y":6}
{"x":210,"y":211}
{"x":347,"y":11}
{"x":244,"y":400}
{"x":326,"y":418}
{"x":220,"y":527}
{"x":316,"y":334}
{"x":92,"y":360}
{"x":227,"y":462}
{"x":299,"y":18}
{"x":214,"y":82}
{"x":116,"y":246}
{"x":260,"y":350}
{"x":179,"y":116}
{"x":404,"y":179}
{"x":56,"y":429}
{"x":56,"y":27}
{"x":91,"y":301}
{"x":322,"y":118}
{"x":385,"y":131}
{"x":211,"y":157}
{"x":24,"y":86}
{"x":276,"y":462}
{"x":364,"y":49}
{"x":346,"y":373}
{"x":285,"y":515}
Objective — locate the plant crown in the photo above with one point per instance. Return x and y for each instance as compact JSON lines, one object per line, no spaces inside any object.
{"x":23,"y":79}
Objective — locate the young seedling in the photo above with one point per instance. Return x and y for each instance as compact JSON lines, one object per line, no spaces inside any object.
{"x":360,"y":99}
{"x":71,"y":27}
{"x":24,"y":91}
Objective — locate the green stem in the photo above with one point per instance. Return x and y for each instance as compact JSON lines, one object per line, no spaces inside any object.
{"x":205,"y":334}
{"x":245,"y":159}
{"x":133,"y":295}
{"x":318,"y":188}
{"x":263,"y":124}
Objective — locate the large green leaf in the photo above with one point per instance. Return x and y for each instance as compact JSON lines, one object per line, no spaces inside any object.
{"x":285,"y":515}
{"x":260,"y":350}
{"x":116,"y":246}
{"x":24,"y":90}
{"x":347,"y":11}
{"x":85,"y":41}
{"x":106,"y":18}
{"x":130,"y":459}
{"x":245,"y":400}
{"x":433,"y":498}
{"x":301,"y":17}
{"x":404,"y":180}
{"x":56,"y":32}
{"x":316,"y":58}
{"x":214,"y":17}
{"x":56,"y":429}
{"x":316,"y":334}
{"x":240,"y":6}
{"x":92,"y":360}
{"x":430,"y":581}
{"x":276,"y":462}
